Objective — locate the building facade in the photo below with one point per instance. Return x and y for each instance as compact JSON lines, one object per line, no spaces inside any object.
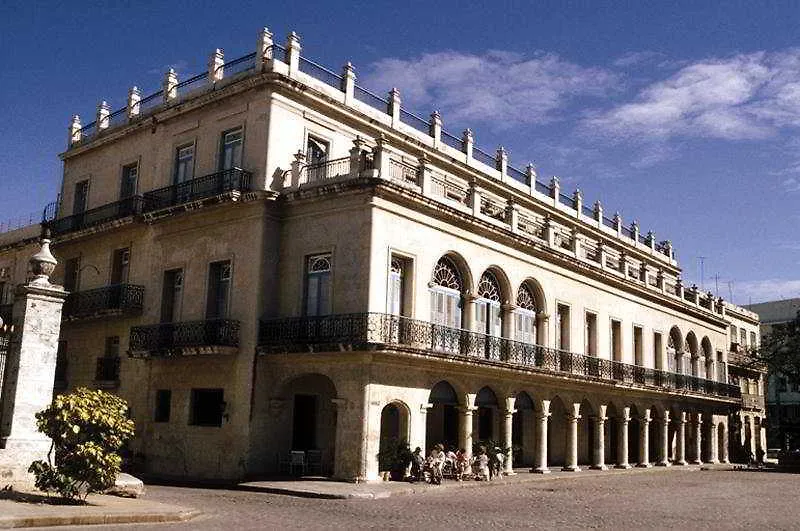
{"x":268,"y":257}
{"x":783,"y":394}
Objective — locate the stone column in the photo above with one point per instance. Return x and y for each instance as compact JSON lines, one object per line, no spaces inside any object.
{"x":348,"y":83}
{"x":263,"y":48}
{"x":293,"y":52}
{"x":697,"y":458}
{"x":724,"y":457}
{"x":663,"y":458}
{"x":508,"y":434}
{"x":394,"y":106}
{"x":101,"y":120}
{"x":465,"y":437}
{"x":216,"y":66}
{"x":622,"y":439}
{"x":30,"y":367}
{"x":680,"y":439}
{"x":436,"y":129}
{"x":644,"y":440}
{"x":542,"y":414}
{"x":599,"y":450}
{"x":571,"y":457}
{"x":712,"y":443}
{"x":467,"y":143}
{"x":75,"y":130}
{"x":134,"y":97}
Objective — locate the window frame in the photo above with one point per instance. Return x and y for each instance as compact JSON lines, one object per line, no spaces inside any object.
{"x":223,"y":144}
{"x":307,"y":276}
{"x":135,"y":164}
{"x":177,"y":161}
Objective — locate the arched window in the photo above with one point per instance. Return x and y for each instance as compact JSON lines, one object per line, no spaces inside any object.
{"x":446,"y":289}
{"x":487,"y":307}
{"x":525,"y":316}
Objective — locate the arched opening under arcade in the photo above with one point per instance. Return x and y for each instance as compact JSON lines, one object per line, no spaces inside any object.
{"x":721,"y":436}
{"x":522,"y":430}
{"x":633,"y":435}
{"x":394,"y":425}
{"x":557,"y":433}
{"x":586,"y":433}
{"x":441,"y":422}
{"x":654,"y":432}
{"x":486,"y":418}
{"x":611,"y":435}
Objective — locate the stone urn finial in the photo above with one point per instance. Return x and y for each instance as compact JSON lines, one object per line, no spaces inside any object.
{"x":42,"y":264}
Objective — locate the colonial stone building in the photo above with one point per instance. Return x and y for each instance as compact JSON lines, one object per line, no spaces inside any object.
{"x":268,"y":257}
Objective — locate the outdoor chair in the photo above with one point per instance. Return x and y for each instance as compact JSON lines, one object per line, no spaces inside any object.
{"x":298,"y":460}
{"x":314,"y":462}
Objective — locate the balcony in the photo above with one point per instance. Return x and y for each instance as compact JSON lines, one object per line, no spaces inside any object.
{"x":165,"y":340}
{"x":231,"y":181}
{"x":373,"y":331}
{"x":108,"y":301}
{"x":752,"y":401}
{"x":106,"y":374}
{"x":130,"y":206}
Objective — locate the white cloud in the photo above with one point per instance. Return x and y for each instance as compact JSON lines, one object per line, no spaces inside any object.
{"x":748,"y":96}
{"x":637,"y":58}
{"x":501,"y":88}
{"x":792,"y":184}
{"x":766,"y":290}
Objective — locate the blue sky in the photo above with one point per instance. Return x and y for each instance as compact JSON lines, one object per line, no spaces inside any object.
{"x":682,"y":115}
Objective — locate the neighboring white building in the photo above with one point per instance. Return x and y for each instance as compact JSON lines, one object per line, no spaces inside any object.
{"x":783,"y":395}
{"x":292,"y":262}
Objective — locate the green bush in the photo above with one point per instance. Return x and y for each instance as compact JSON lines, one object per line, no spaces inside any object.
{"x":88,"y":428}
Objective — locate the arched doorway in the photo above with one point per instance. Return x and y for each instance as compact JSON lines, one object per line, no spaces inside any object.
{"x":486,"y":416}
{"x":522,"y":431}
{"x":394,"y":426}
{"x":313,"y":417}
{"x":488,"y":314}
{"x":441,"y":424}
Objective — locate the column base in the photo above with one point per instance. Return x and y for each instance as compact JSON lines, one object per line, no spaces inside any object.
{"x":571,"y":468}
{"x":598,"y":467}
{"x":623,"y":466}
{"x":664,"y":464}
{"x":644,"y":465}
{"x":712,"y":462}
{"x":509,"y":473}
{"x":680,"y":463}
{"x":540,"y":470}
{"x":695,"y":462}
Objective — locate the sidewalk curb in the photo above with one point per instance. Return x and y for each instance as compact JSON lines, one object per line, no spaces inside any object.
{"x":11,"y":522}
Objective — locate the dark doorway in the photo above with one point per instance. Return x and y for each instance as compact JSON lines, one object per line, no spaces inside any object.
{"x":304,"y":429}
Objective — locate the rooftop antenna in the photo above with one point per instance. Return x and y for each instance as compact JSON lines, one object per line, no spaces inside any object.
{"x":716,"y":283}
{"x":702,"y":260}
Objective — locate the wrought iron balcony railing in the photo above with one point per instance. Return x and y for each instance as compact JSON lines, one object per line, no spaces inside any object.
{"x":376,"y":330}
{"x":752,"y":401}
{"x":235,"y":179}
{"x":119,"y":299}
{"x":130,"y":206}
{"x":171,"y":339}
{"x":107,"y":369}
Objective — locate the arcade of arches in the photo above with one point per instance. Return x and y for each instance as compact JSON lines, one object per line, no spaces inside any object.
{"x":546,"y":428}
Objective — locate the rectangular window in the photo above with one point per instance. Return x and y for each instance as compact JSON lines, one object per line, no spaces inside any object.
{"x":119,"y":266}
{"x":562,"y":327}
{"x":72,"y":268}
{"x":6,"y":295}
{"x":525,"y":326}
{"x":163,"y":405}
{"x":184,"y":163}
{"x":316,"y":150}
{"x":742,"y":337}
{"x":616,"y":340}
{"x":171,"y":295}
{"x":219,"y":287}
{"x":446,"y":308}
{"x":658,"y":362}
{"x":318,"y":285}
{"x":591,"y":334}
{"x":753,"y":339}
{"x":130,"y":178}
{"x":399,"y":286}
{"x":638,"y":347}
{"x":207,"y":408}
{"x":231,"y":149}
{"x":81,"y":198}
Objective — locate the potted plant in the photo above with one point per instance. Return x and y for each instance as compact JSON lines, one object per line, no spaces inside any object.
{"x":394,"y":456}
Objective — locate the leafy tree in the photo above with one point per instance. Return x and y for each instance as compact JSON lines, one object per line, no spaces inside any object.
{"x":88,"y":428}
{"x":780,"y":350}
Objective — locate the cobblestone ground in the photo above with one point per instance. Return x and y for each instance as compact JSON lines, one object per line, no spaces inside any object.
{"x":674,"y":498}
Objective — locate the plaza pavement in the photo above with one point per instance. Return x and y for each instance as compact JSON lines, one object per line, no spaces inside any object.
{"x":472,"y":503}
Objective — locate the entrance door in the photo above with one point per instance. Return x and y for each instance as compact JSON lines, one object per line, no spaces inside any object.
{"x":304,"y":423}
